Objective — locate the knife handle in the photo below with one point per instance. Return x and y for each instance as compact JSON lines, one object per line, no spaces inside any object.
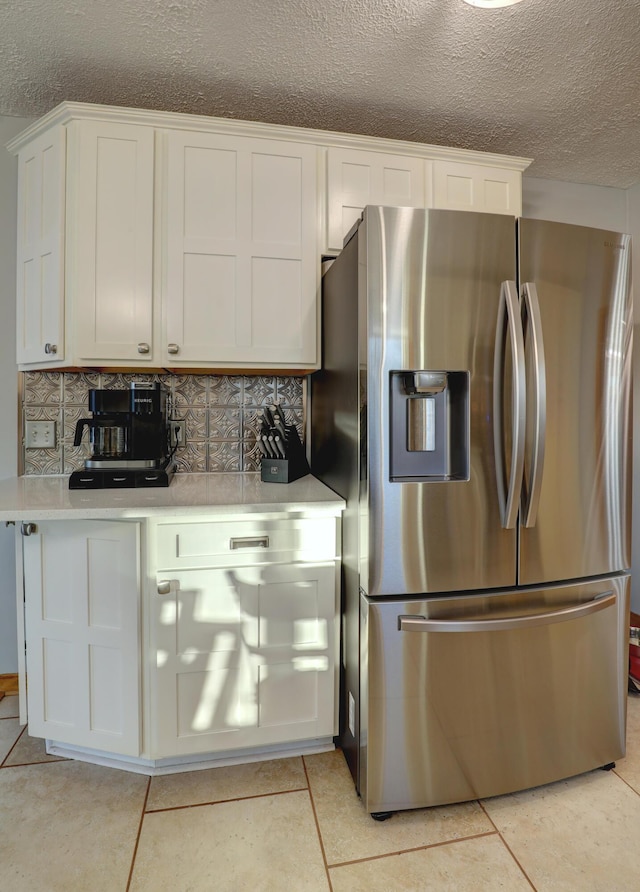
{"x":267,"y":446}
{"x":280,"y":413}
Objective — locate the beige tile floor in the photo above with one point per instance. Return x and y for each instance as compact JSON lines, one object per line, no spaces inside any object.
{"x":296,"y":824}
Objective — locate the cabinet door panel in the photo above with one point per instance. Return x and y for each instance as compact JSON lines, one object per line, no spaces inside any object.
{"x":242,"y":262}
{"x":460,"y":186}
{"x":287,"y":696}
{"x":81,"y":614}
{"x":200,"y":318}
{"x":40,"y":262}
{"x":276,"y":320}
{"x":111,"y":234}
{"x":356,"y":178}
{"x":210,"y":177}
{"x":248,"y":661}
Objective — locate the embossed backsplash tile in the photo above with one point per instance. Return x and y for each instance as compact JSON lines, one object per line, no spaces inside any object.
{"x":222,"y":414}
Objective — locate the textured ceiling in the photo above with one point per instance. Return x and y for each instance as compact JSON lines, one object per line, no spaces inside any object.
{"x":553,"y":80}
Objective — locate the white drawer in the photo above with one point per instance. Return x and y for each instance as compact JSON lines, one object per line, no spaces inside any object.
{"x":243,"y":542}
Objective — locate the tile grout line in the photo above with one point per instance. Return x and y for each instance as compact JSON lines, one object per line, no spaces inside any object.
{"x":317,"y":823}
{"x":157,"y":811}
{"x":507,"y":846}
{"x":15,"y":743}
{"x":625,"y":781}
{"x":135,"y":847}
{"x":431,"y":845}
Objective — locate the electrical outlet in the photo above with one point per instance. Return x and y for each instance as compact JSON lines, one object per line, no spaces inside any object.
{"x":40,"y":435}
{"x":178,"y":432}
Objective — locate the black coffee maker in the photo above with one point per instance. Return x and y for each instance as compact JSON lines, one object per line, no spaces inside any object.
{"x":130,"y":438}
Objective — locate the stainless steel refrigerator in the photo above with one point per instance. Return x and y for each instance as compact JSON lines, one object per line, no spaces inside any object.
{"x":473,"y":409}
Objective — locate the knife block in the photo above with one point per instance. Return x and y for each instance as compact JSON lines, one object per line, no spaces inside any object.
{"x":284,"y":470}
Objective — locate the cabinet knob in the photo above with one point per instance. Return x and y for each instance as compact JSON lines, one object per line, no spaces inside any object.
{"x":50,"y":348}
{"x":173,"y":349}
{"x":166,"y":586}
{"x":28,"y":529}
{"x":143,"y":348}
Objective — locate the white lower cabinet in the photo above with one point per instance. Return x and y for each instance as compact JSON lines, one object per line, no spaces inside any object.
{"x":232,"y":638}
{"x":243,"y":658}
{"x":82,"y":601}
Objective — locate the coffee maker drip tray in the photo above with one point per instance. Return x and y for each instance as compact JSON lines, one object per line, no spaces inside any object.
{"x":99,"y":464}
{"x":126,"y":477}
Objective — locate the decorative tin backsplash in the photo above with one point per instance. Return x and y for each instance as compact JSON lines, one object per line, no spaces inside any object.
{"x":221,"y":415}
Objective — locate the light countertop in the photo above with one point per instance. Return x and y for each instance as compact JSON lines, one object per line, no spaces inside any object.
{"x":49,"y":498}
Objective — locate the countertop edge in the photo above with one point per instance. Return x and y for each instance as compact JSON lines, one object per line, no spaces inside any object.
{"x":190,"y":495}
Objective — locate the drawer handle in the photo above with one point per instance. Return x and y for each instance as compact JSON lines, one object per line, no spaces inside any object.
{"x":249,"y":542}
{"x":414,"y":623}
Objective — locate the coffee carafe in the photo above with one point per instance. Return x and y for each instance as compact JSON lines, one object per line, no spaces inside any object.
{"x":108,"y":429}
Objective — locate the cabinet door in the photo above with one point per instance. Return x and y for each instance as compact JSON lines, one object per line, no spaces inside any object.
{"x":242,"y":260}
{"x":357,"y":178}
{"x":110,"y":236}
{"x":243,"y":658}
{"x":473,"y":187}
{"x":81,"y":616}
{"x":40,"y":238}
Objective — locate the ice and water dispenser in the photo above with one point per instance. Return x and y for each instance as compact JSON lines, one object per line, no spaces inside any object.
{"x":429,"y":425}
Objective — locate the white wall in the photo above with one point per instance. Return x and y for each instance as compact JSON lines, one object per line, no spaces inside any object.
{"x":577,"y":203}
{"x":8,"y":383}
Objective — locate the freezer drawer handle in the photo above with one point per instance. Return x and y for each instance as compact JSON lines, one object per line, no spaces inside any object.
{"x":249,"y":542}
{"x":509,"y":320}
{"x":412,"y":623}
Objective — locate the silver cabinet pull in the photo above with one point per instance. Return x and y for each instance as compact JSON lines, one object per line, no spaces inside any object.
{"x":27,"y":529}
{"x":50,"y":348}
{"x":166,"y":586}
{"x":411,"y":623}
{"x":249,"y":542}
{"x":173,"y":349}
{"x":143,"y":348}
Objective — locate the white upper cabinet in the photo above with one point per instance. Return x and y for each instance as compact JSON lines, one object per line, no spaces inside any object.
{"x":468,"y":182}
{"x":475,"y":187}
{"x":40,"y":239}
{"x":110,"y":241}
{"x":160,"y":240}
{"x":241,"y":251}
{"x":356,"y":178}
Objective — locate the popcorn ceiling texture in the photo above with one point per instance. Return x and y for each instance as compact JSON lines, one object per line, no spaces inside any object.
{"x":555,"y":81}
{"x":221,"y":415}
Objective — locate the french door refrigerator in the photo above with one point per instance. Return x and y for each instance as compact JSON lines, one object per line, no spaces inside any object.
{"x":473,"y":410}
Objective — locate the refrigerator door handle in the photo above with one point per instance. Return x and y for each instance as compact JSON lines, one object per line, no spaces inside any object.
{"x":412,"y":623}
{"x":509,"y":316}
{"x":531,"y":316}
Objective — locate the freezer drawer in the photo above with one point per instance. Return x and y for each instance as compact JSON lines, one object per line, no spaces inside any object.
{"x":480,"y":695}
